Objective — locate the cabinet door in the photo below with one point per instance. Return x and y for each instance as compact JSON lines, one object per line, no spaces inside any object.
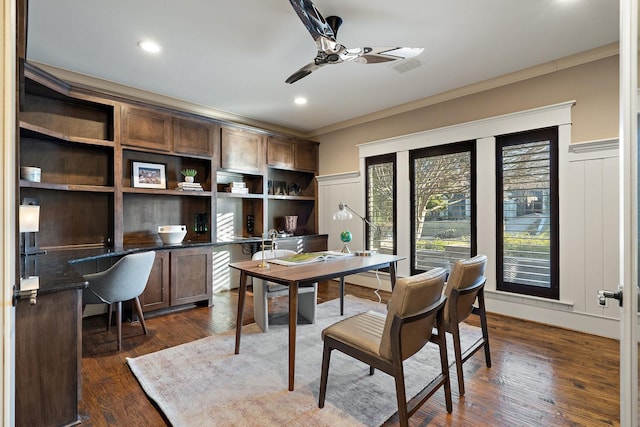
{"x":191,"y":275}
{"x":48,"y":359}
{"x":146,"y":128}
{"x":156,"y":294}
{"x":191,"y":136}
{"x":241,"y":150}
{"x":280,"y":153}
{"x":306,"y":156}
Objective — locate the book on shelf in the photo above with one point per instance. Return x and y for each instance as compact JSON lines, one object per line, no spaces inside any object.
{"x":238,"y":184}
{"x":310,"y":257}
{"x":237,"y":190}
{"x":189,"y":186}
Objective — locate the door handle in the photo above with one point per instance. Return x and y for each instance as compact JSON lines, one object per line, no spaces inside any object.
{"x":603,"y":295}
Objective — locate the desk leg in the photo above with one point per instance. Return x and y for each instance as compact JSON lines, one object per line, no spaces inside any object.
{"x":392,"y":273}
{"x":242,"y":293}
{"x":293,"y":322}
{"x":342,"y":296}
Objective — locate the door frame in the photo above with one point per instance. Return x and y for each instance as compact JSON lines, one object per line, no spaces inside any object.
{"x":629,"y":212}
{"x":8,"y":208}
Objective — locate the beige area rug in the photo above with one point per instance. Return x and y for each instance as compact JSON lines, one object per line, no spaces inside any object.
{"x":203,"y":383}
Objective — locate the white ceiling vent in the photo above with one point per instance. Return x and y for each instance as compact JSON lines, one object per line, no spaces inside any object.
{"x":406,"y":65}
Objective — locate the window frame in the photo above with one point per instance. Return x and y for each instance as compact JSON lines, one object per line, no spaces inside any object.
{"x":451,"y":148}
{"x":550,"y":134}
{"x":374,"y":160}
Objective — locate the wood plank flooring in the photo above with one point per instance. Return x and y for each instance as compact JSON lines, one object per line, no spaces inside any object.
{"x":541,"y":376}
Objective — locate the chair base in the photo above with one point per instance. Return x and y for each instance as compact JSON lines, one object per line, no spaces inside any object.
{"x":138,"y":307}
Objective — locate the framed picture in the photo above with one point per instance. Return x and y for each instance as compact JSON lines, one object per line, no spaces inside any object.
{"x":148,"y":175}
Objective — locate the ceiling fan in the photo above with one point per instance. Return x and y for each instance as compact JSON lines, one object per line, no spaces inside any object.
{"x":330,"y":51}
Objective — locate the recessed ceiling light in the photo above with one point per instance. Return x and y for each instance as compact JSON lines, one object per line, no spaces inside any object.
{"x":149,"y":46}
{"x":300,"y":100}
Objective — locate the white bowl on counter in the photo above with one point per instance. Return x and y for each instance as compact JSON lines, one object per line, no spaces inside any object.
{"x":30,"y":173}
{"x":172,"y":234}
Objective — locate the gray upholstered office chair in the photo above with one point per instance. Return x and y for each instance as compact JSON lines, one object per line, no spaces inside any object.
{"x":464,"y":286}
{"x":262,"y":291}
{"x":384,"y":342}
{"x":123,"y":281}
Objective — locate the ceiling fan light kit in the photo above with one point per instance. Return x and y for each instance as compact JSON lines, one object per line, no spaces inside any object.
{"x":324,"y":31}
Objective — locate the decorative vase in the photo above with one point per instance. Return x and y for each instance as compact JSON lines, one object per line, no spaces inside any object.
{"x":290,"y":223}
{"x":188,"y":179}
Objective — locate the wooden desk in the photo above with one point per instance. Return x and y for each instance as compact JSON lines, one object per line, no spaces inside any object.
{"x":294,"y":276}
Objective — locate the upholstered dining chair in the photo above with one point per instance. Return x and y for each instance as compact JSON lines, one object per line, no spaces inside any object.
{"x":414,"y":317}
{"x":464,"y":286}
{"x":262,"y":291}
{"x":123,"y":281}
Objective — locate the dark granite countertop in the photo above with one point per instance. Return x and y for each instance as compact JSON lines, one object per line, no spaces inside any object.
{"x":56,"y":272}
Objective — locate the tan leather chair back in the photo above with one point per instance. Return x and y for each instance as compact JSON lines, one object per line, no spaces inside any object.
{"x":464,"y":274}
{"x":411,"y":295}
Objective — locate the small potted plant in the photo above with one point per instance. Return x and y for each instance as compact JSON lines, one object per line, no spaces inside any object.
{"x":189,"y":174}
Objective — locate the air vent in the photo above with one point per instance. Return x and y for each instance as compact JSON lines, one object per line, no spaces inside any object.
{"x":406,"y":65}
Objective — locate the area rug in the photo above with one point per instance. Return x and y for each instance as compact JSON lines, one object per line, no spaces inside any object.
{"x":203,"y":383}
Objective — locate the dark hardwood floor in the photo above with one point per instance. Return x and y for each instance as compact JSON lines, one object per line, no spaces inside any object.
{"x":541,"y":376}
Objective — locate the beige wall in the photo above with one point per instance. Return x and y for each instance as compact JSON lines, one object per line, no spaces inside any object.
{"x":594,"y":87}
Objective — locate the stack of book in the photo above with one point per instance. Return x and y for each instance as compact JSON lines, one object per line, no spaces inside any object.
{"x":237,"y":188}
{"x":189,"y":186}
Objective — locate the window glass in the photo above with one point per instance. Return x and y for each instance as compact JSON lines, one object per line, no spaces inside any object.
{"x":527,"y":213}
{"x":442,"y":205}
{"x":381,"y":197}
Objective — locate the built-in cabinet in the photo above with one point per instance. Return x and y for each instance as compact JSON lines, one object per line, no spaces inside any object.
{"x":178,"y":277}
{"x":157,"y":292}
{"x":48,"y":359}
{"x":87,"y":145}
{"x":280,"y":182}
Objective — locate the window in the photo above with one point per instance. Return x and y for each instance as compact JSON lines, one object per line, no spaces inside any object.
{"x":443,"y":205}
{"x":381,"y":203}
{"x":527,"y":213}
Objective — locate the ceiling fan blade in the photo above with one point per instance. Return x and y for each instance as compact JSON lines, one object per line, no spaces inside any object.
{"x":303,"y":72}
{"x":312,"y":19}
{"x":376,"y":55}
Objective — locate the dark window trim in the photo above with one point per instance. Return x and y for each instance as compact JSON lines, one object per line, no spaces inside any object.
{"x":456,"y":147}
{"x":550,"y":134}
{"x":374,"y":160}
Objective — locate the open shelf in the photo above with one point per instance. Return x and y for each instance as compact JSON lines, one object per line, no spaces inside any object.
{"x":31,"y":130}
{"x":66,"y":187}
{"x":167,"y":192}
{"x":272,"y":197}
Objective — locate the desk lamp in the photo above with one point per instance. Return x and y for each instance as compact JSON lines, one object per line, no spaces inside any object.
{"x":343,"y":213}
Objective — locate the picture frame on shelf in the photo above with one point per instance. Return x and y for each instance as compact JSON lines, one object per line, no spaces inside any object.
{"x":148,"y":175}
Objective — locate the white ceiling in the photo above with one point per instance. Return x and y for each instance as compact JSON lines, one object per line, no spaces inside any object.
{"x":234,"y":55}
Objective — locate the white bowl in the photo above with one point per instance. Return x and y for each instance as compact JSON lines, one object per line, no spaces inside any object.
{"x":172,"y":234}
{"x":30,"y":173}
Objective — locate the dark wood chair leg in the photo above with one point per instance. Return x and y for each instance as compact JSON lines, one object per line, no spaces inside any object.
{"x":326,"y":357}
{"x":403,"y":416}
{"x":119,"y":323}
{"x":457,"y":349}
{"x":140,"y":315}
{"x":444,"y":366}
{"x":109,"y":312}
{"x":485,"y":330}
